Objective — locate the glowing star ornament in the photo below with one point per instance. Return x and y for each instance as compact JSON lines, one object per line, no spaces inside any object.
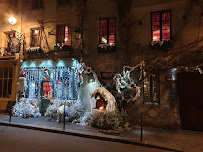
{"x":12,"y":20}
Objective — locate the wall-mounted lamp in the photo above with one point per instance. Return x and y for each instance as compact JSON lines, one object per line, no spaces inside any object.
{"x":12,"y":20}
{"x":91,"y":80}
{"x":78,"y":33}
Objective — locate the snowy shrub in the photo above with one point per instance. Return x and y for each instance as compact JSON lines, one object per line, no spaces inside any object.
{"x":76,"y":111}
{"x":73,"y":114}
{"x":26,"y":108}
{"x":51,"y":110}
{"x":106,"y":120}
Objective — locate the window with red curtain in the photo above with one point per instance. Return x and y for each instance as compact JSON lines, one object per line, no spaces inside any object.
{"x":107,"y":31}
{"x":36,"y":37}
{"x":161,"y":26}
{"x":62,"y":35}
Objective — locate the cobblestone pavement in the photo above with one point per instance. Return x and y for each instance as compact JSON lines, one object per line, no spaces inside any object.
{"x":188,"y":141}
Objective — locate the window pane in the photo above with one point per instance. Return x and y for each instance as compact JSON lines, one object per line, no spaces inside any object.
{"x":10,"y":73}
{"x":166,"y":34}
{"x":1,"y":83}
{"x":166,"y":16}
{"x":166,"y":30}
{"x":5,"y":72}
{"x":103,"y":31}
{"x":111,"y":30}
{"x":112,"y":22}
{"x":32,"y":90}
{"x":111,"y":39}
{"x":154,"y":88}
{"x":47,"y":92}
{"x":156,"y":26}
{"x":146,"y":91}
{"x":5,"y":89}
{"x":61,"y":34}
{"x":66,"y":40}
{"x":36,"y":37}
{"x":156,"y":35}
{"x":155,"y":17}
{"x":103,"y":39}
{"x":1,"y":72}
{"x":9,"y":88}
{"x":103,"y":23}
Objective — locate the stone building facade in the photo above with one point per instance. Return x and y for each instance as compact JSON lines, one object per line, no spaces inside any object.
{"x":110,"y":34}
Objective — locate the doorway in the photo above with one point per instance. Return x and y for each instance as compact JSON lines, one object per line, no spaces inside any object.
{"x":190,"y":88}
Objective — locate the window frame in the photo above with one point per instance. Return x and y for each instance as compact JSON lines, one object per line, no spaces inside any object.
{"x":40,"y":4}
{"x":108,"y":18}
{"x":3,"y":78}
{"x":31,"y":37}
{"x":57,"y":34}
{"x":161,"y":12}
{"x":61,"y":3}
{"x":150,"y":81}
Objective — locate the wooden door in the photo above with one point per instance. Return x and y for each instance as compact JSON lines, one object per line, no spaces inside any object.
{"x":190,"y":88}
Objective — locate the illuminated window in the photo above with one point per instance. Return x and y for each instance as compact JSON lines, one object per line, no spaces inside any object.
{"x":47,"y":91}
{"x":161,"y":29}
{"x":62,"y":37}
{"x":6,"y":75}
{"x":63,"y":2}
{"x":107,"y":31}
{"x":151,"y":89}
{"x":36,"y":36}
{"x":37,"y":4}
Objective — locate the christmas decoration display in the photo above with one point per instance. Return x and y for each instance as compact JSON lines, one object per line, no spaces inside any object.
{"x":60,"y":111}
{"x":73,"y":110}
{"x":123,"y":81}
{"x":113,"y":120}
{"x":26,"y":108}
{"x":107,"y":96}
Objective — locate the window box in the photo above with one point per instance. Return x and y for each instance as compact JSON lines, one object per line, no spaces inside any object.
{"x":161,"y":45}
{"x":33,"y":50}
{"x":58,"y":48}
{"x":104,"y":48}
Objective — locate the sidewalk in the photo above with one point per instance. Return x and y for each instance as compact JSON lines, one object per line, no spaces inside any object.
{"x":171,"y":140}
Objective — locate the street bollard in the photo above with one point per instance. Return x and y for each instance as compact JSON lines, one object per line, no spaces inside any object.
{"x":10,"y":112}
{"x":141,"y":126}
{"x":64,"y":117}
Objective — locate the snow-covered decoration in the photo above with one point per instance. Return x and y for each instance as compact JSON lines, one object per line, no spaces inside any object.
{"x":107,"y":96}
{"x":92,"y":103}
{"x":60,"y":111}
{"x":54,"y":105}
{"x":73,"y":110}
{"x":26,"y":108}
{"x":123,"y":80}
{"x":76,"y":111}
{"x":190,"y":69}
{"x":21,"y":84}
{"x":82,"y":68}
{"x":109,"y":120}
